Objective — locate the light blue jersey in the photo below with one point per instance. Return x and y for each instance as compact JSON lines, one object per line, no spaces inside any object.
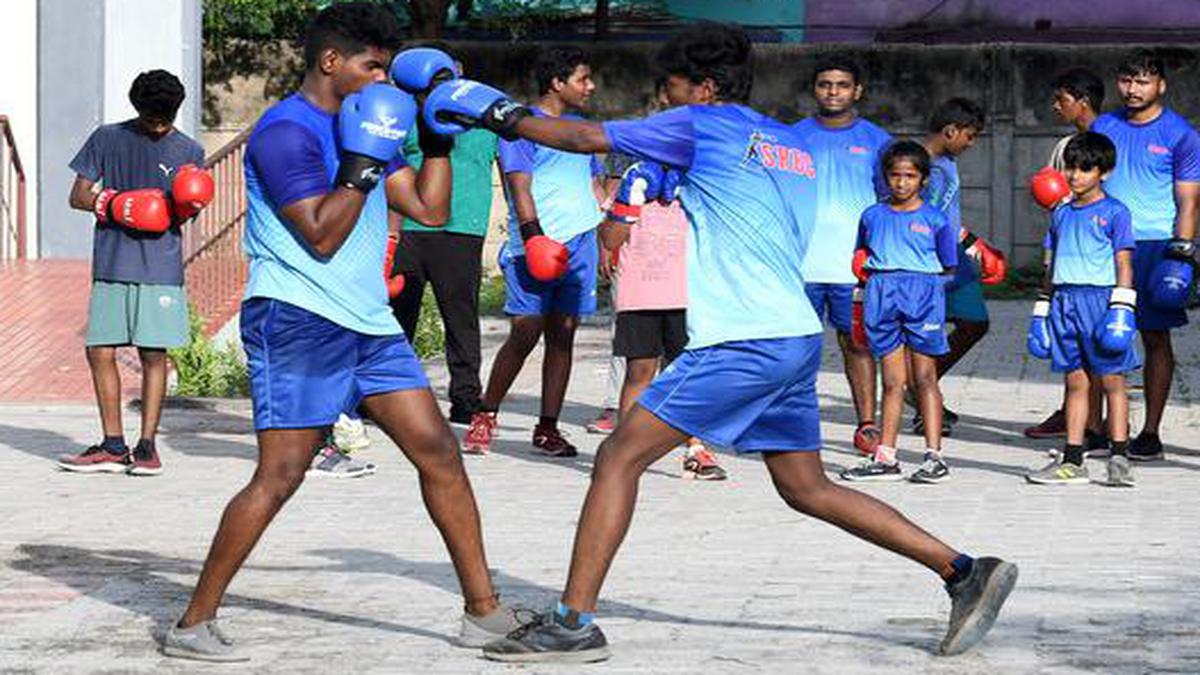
{"x":848,"y":181}
{"x":1151,"y":157}
{"x":749,"y":188}
{"x":1084,"y":239}
{"x":944,"y":193}
{"x":291,"y":155}
{"x":907,"y":241}
{"x":562,"y":189}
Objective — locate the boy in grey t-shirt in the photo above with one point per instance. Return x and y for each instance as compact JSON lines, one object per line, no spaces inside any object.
{"x":137,"y":274}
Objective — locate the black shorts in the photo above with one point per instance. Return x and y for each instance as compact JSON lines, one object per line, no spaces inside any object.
{"x":650,"y":333}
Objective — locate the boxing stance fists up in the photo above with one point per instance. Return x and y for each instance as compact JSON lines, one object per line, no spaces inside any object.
{"x":373,"y":123}
{"x":418,"y":71}
{"x":458,"y":105}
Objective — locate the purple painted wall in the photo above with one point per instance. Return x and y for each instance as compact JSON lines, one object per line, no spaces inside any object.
{"x":843,"y":21}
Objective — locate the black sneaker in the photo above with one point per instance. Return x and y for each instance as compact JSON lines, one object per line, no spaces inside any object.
{"x":550,"y":639}
{"x":1146,"y":447}
{"x":461,"y":415}
{"x":975,"y":602}
{"x":918,"y":425}
{"x":872,"y":470}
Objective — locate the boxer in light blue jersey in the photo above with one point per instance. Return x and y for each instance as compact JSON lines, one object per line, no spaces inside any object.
{"x":747,"y":379}
{"x":1158,"y":177}
{"x":845,"y":150}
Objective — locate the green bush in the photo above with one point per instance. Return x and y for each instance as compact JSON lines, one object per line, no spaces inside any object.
{"x":430,"y":340}
{"x":491,"y":296}
{"x":204,"y":370}
{"x":1022,"y":283}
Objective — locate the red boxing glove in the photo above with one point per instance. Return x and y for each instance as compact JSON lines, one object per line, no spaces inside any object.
{"x":993,"y":266}
{"x":191,"y":191}
{"x":858,"y":326}
{"x":858,"y":264}
{"x":545,"y":258}
{"x":100,"y":203}
{"x":144,"y":210}
{"x":1049,"y":188}
{"x":395,"y":284}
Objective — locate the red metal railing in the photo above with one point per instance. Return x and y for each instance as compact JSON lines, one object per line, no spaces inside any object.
{"x":12,"y":196}
{"x":213,"y":263}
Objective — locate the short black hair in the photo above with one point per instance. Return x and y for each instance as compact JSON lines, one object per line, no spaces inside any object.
{"x":157,"y":94}
{"x":1143,"y":62}
{"x":840,"y":62}
{"x":1082,"y":84}
{"x":959,"y":112}
{"x":556,"y":63}
{"x":350,"y":28}
{"x":1089,"y":150}
{"x":709,"y":50}
{"x":910,"y":150}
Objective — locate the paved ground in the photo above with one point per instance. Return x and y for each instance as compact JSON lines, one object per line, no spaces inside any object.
{"x":714,"y":578}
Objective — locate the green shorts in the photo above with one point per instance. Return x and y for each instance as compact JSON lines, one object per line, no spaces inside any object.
{"x":143,"y":315}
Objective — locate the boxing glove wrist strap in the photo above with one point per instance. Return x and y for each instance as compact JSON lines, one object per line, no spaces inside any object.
{"x":1181,"y":249}
{"x":502,"y":117}
{"x":358,"y":172}
{"x":531,"y":229}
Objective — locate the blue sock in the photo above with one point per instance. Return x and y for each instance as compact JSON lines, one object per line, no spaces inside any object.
{"x":959,"y":569}
{"x":115,"y":445}
{"x":571,"y":618}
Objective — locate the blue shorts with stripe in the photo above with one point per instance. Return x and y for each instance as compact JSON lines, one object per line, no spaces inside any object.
{"x":306,"y":369}
{"x":748,"y":395}
{"x":1075,"y":311}
{"x":573,"y":294}
{"x":905,"y":309}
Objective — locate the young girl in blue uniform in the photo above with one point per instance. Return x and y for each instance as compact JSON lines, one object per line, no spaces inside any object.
{"x":909,"y":248}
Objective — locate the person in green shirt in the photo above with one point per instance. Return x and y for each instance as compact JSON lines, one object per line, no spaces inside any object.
{"x":450,"y":258}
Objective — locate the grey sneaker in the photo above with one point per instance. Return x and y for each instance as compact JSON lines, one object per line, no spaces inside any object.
{"x":202,"y":642}
{"x":1058,"y":472}
{"x":932,"y":470}
{"x":331,"y":463}
{"x":549,"y":639}
{"x":477,"y":631}
{"x":1120,"y":472}
{"x":975,"y":602}
{"x":870,"y":470}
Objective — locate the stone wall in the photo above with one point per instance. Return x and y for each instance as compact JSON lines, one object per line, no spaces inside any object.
{"x":904,"y":83}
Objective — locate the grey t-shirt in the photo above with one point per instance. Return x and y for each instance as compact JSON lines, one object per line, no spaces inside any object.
{"x":123,"y":158}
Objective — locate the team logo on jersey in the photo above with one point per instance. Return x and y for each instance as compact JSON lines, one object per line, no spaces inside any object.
{"x":1099,"y":221}
{"x":768,"y":152}
{"x":919,"y":228}
{"x":1157,"y":149}
{"x":859,"y":150}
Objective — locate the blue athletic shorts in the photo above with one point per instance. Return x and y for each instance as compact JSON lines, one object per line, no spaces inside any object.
{"x":905,"y":308}
{"x":573,"y":294}
{"x":832,"y":303}
{"x":965,"y":303}
{"x":749,"y":395}
{"x":305,"y":369}
{"x":1075,"y":311}
{"x":1146,"y":255}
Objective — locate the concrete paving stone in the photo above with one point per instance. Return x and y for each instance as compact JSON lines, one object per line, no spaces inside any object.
{"x":713,"y":577}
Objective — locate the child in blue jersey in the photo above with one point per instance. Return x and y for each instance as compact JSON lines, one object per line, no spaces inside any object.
{"x":747,"y":379}
{"x":561,"y":193}
{"x":321,"y":172}
{"x":1090,"y":244}
{"x":1158,"y":177}
{"x":953,"y":128}
{"x":910,"y":246}
{"x":845,"y":149}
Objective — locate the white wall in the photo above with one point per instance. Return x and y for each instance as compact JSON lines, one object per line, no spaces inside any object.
{"x":144,"y":35}
{"x":19,"y":100}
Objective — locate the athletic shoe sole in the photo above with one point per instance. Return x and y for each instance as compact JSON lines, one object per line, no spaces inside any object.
{"x":1145,"y":458}
{"x":978,"y":623}
{"x":889,"y":478}
{"x":341,"y":474}
{"x":143,"y":471}
{"x":581,"y":656}
{"x":105,"y":467}
{"x":928,"y":480}
{"x":1082,"y":480}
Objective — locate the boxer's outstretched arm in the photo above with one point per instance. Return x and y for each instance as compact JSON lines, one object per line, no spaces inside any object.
{"x":570,"y":135}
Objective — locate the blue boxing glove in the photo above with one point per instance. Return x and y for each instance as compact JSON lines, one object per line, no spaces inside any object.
{"x":1037,"y":340}
{"x":458,"y":105}
{"x":640,"y":183}
{"x":1171,"y":279}
{"x":419,"y":70}
{"x":672,"y":180}
{"x":1115,"y":333}
{"x":373,"y":124}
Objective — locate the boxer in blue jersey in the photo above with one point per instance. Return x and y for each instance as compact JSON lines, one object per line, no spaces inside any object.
{"x":747,"y":379}
{"x":909,"y":246}
{"x":1158,"y":177}
{"x":322,"y":169}
{"x":953,"y":128}
{"x":845,"y":150}
{"x":1090,"y":247}
{"x":561,"y":192}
